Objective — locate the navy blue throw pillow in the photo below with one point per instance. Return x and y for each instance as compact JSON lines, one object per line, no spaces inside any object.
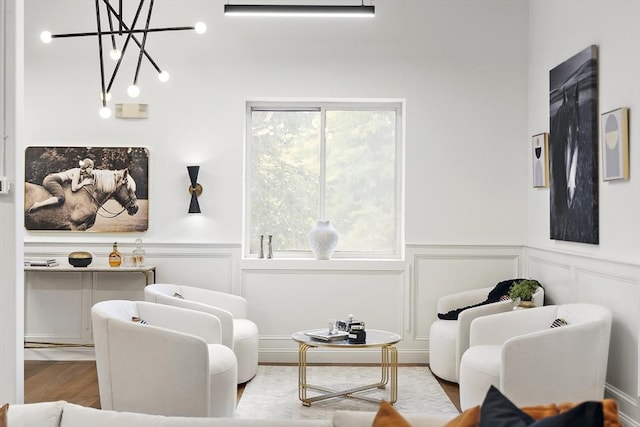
{"x":498,"y":411}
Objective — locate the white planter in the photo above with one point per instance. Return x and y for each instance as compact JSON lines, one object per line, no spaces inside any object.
{"x":323,"y":239}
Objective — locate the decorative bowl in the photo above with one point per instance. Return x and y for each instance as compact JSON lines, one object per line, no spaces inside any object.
{"x":80,"y":258}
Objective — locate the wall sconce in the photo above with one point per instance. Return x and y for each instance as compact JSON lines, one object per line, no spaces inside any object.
{"x":195,"y":189}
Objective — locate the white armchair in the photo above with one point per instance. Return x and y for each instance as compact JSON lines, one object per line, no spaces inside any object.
{"x":172,"y":363}
{"x":238,"y":333}
{"x":533,"y":363}
{"x":448,"y":339}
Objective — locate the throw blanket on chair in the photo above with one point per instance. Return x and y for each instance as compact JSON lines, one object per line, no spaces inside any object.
{"x":501,"y":289}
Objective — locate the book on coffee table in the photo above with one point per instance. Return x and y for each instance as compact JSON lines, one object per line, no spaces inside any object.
{"x":325,"y":335}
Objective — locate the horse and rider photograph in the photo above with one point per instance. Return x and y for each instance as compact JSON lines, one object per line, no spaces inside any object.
{"x":98,"y":189}
{"x":573,"y":147}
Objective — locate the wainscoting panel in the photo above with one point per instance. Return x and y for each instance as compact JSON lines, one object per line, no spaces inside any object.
{"x":572,"y":278}
{"x":205,"y":270}
{"x":553,"y":272}
{"x":54,"y":307}
{"x":439,"y":271}
{"x":283,"y":301}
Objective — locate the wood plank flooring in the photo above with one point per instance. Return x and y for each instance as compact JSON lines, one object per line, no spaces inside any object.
{"x":77,"y":382}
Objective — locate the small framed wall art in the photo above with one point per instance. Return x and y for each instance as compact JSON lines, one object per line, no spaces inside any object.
{"x":540,"y":156}
{"x":615,"y":144}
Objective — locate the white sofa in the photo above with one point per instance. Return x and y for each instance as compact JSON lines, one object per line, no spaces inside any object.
{"x":65,"y":414}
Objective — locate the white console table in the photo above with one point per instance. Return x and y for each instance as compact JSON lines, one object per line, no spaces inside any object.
{"x":149,"y":271}
{"x":58,"y":303}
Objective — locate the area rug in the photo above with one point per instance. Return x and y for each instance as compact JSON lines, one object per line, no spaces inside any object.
{"x":273,"y":392}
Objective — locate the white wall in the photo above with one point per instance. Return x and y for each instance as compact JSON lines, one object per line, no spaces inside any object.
{"x":11,"y":307}
{"x":608,"y":273}
{"x":460,"y":65}
{"x":558,"y":30}
{"x":475,"y":78}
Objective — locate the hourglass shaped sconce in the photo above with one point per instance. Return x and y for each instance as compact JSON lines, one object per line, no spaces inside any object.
{"x":195,"y":189}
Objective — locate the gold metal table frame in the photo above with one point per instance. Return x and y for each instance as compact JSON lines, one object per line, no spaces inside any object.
{"x":388,"y":367}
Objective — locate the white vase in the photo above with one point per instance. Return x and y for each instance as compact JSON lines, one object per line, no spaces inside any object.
{"x":323,"y":239}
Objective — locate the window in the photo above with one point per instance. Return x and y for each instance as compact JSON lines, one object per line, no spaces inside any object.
{"x":335,"y":161}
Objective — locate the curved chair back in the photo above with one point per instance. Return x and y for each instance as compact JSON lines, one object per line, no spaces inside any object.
{"x":533,"y":363}
{"x":161,"y":366}
{"x":238,"y":333}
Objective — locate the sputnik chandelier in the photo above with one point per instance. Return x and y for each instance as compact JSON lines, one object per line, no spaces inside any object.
{"x":130,"y":34}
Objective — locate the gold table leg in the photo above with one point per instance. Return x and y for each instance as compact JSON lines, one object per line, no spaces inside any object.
{"x":388,"y":373}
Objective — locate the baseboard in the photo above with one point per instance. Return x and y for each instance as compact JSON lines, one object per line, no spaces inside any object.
{"x":60,"y":353}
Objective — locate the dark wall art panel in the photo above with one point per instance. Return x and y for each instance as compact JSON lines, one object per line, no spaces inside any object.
{"x":573,"y":146}
{"x":99,"y":189}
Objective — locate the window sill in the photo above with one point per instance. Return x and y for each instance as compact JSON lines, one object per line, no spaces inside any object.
{"x":331,"y":264}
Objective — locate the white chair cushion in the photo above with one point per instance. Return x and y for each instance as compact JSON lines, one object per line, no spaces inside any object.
{"x":479,"y":369}
{"x":45,"y":414}
{"x":224,"y":373}
{"x":442,"y":345}
{"x":245,"y":346}
{"x":80,"y":416}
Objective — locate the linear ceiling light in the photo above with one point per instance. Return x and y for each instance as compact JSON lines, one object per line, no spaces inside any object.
{"x":125,"y":34}
{"x":298,"y":10}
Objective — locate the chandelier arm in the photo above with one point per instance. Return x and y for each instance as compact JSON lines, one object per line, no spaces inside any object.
{"x":126,"y":42}
{"x":113,"y":38}
{"x":106,"y":33}
{"x":144,"y":41}
{"x":135,"y":39}
{"x":104,"y":95}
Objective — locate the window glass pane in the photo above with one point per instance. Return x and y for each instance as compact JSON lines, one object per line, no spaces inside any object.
{"x":284,"y":167}
{"x":361,"y":179}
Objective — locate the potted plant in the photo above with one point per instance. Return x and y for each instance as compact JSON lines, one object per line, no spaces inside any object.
{"x":523,"y":291}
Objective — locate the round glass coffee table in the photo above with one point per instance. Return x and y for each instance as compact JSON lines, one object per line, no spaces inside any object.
{"x":385,"y":340}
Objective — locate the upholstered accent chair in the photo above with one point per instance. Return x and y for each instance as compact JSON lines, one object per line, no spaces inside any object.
{"x":238,"y":333}
{"x":448,"y":339}
{"x":555,"y":353}
{"x":162,"y":360}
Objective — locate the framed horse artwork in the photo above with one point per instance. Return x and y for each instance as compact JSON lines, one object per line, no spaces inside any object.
{"x":98,"y":189}
{"x":573,"y":148}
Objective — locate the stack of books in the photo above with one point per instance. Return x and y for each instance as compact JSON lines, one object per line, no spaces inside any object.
{"x":325,"y":335}
{"x":40,"y":262}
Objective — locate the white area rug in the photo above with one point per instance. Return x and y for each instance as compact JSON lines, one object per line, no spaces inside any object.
{"x":273,"y":393}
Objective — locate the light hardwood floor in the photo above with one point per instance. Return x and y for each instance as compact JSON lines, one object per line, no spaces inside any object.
{"x":77,"y":382}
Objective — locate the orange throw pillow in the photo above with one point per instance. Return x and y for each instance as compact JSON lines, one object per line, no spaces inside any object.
{"x":468,"y":418}
{"x":3,"y":415}
{"x":387,"y":416}
{"x":471,"y":417}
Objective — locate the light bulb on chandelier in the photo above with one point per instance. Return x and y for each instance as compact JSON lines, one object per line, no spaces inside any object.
{"x":105,"y":112}
{"x":46,"y":37}
{"x":200,"y":27}
{"x":133,"y":91}
{"x":163,"y":76}
{"x":115,"y":54}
